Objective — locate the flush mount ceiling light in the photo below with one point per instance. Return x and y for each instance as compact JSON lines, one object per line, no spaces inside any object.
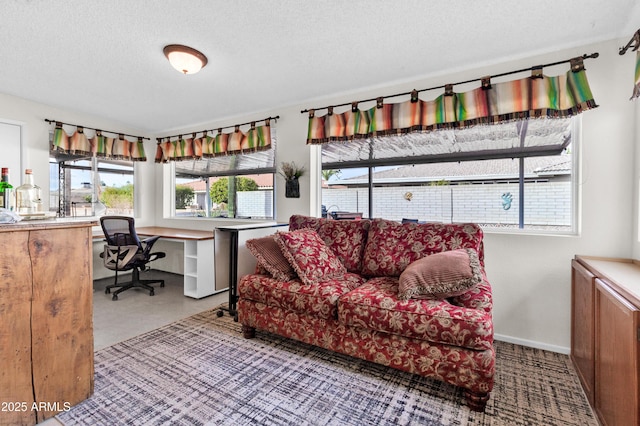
{"x":184,"y":58}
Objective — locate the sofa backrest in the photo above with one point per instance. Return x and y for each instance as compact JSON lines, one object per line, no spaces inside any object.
{"x":346,"y":238}
{"x":392,"y":246}
{"x":381,"y":247}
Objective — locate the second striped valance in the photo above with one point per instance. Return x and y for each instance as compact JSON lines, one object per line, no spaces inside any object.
{"x":256,"y":138}
{"x":535,"y":96}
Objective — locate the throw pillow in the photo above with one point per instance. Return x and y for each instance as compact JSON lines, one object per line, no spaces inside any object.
{"x":309,"y":255}
{"x":270,"y":257}
{"x":441,"y":275}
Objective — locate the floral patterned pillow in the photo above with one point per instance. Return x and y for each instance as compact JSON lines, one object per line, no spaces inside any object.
{"x":309,"y":255}
{"x":270,"y":257}
{"x":441,"y":275}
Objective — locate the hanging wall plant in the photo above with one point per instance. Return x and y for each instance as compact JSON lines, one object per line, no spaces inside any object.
{"x":291,"y":173}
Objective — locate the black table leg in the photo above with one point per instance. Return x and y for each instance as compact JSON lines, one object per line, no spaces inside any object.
{"x":233,"y":276}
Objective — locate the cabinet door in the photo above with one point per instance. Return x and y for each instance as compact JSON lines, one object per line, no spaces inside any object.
{"x":582,"y":326}
{"x":62,"y":320}
{"x":16,"y":391}
{"x":617,"y":362}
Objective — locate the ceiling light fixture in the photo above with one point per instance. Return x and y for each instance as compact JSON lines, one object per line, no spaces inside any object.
{"x":184,"y":58}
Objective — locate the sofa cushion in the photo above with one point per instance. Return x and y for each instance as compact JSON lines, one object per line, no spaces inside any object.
{"x":346,"y":238}
{"x":392,"y":246}
{"x":270,"y":257}
{"x":318,"y":300}
{"x":440,"y":275}
{"x":375,"y":305}
{"x":309,"y":256}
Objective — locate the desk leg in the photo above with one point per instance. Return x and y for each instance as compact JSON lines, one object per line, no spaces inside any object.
{"x":233,"y":277}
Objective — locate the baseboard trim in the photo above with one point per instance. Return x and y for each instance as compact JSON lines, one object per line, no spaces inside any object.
{"x":533,"y":344}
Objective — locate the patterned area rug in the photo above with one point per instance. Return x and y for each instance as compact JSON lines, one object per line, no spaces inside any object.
{"x":201,"y":371}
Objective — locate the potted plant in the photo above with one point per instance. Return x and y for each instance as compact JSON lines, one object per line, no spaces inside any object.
{"x":291,"y":173}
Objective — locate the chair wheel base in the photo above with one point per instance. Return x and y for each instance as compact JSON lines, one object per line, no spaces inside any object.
{"x":115,"y":297}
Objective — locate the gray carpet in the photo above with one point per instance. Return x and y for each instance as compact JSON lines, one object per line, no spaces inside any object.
{"x":201,"y":371}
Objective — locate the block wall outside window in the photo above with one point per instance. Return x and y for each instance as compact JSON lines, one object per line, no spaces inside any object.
{"x":547,"y":204}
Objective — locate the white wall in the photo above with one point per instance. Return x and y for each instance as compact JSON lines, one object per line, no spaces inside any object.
{"x":530,"y":274}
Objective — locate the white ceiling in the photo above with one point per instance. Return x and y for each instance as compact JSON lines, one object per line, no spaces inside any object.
{"x":104,"y":57}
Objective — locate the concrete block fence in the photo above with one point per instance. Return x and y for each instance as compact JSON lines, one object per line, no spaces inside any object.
{"x":545,"y":203}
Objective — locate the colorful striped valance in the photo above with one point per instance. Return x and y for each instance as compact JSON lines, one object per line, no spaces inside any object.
{"x":236,"y":142}
{"x":78,"y":144}
{"x":535,"y":96}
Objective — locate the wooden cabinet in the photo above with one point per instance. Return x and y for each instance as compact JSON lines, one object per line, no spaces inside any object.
{"x":605,"y":340}
{"x":46,"y":338}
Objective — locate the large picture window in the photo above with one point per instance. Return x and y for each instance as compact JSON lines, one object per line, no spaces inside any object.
{"x":516,"y":175}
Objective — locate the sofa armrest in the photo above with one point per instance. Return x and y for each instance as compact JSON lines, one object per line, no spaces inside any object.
{"x":478,"y":297}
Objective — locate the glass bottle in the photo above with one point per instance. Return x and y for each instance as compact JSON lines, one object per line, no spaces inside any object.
{"x":26,"y":195}
{"x":6,"y":191}
{"x":38,"y":202}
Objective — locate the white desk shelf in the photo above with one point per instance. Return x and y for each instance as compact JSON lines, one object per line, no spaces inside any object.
{"x":199,"y":273}
{"x":199,"y":276}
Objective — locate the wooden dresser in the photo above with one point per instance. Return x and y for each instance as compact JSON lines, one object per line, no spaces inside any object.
{"x":605,"y":336}
{"x":46,"y":311}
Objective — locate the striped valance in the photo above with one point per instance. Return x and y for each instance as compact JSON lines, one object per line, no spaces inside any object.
{"x":256,"y":138}
{"x":535,"y":96}
{"x":80,"y":145}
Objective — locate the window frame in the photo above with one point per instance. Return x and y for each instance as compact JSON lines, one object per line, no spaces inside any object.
{"x":171,"y":212}
{"x":95,"y":165}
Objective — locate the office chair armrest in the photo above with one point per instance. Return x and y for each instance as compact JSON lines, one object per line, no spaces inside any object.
{"x":150,"y":240}
{"x":148,"y":243}
{"x":156,"y":255}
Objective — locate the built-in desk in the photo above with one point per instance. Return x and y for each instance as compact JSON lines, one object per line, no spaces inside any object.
{"x":199,"y":272}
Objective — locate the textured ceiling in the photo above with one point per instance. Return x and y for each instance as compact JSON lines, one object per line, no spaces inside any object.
{"x":104,"y":57}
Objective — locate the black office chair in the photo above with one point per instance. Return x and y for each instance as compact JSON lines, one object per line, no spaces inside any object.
{"x":124,"y":251}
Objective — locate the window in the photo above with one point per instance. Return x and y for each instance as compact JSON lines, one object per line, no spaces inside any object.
{"x":231,"y":186}
{"x":91,"y":186}
{"x":516,"y":175}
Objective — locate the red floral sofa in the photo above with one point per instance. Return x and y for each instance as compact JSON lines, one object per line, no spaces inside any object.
{"x":356,"y":307}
